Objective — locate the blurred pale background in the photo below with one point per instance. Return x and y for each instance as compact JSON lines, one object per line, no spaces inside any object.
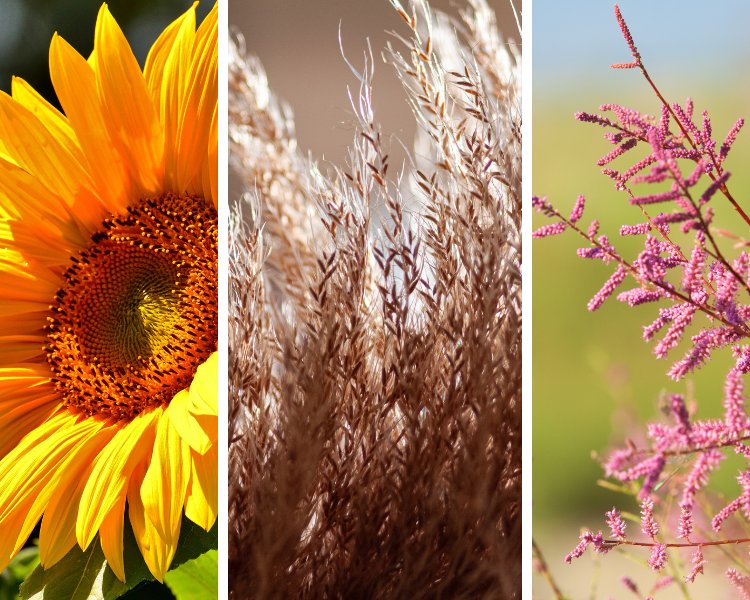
{"x":594,"y":380}
{"x":298,"y":43}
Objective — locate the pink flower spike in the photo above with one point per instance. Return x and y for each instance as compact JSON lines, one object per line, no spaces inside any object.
{"x":699,"y":474}
{"x":617,"y":459}
{"x":741,"y":582}
{"x":685,"y":528}
{"x":577,"y":211}
{"x":638,"y":296}
{"x":585,"y":117}
{"x":686,"y":119}
{"x":621,"y":149}
{"x":630,"y":584}
{"x":608,"y":288}
{"x":551,"y":229}
{"x":700,"y":169}
{"x":683,"y":318}
{"x":616,"y":177}
{"x":727,"y":145}
{"x":725,"y":513}
{"x":580,"y":548}
{"x":587,"y":538}
{"x":655,"y":198}
{"x":658,"y":557}
{"x":735,"y":417}
{"x":687,"y":153}
{"x":640,"y":229}
{"x":742,"y":354}
{"x":680,"y":412}
{"x":679,"y":217}
{"x":657,"y":143}
{"x":692,"y":271}
{"x":616,"y":524}
{"x":698,"y":563}
{"x":626,"y":35}
{"x":663,"y":582}
{"x":638,"y":167}
{"x":706,"y":132}
{"x":664,"y":122}
{"x":648,"y":526}
{"x":704,"y":342}
{"x":714,"y":187}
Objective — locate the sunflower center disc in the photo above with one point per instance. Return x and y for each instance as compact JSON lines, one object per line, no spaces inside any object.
{"x":137,"y":314}
{"x":127,"y":309}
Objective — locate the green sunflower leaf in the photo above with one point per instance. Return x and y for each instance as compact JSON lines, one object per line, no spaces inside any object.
{"x":197,"y":579}
{"x":85,"y":575}
{"x":19,"y":568}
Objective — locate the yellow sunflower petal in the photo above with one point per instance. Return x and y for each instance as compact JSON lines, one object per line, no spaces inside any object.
{"x":28,"y":417}
{"x":19,"y":348}
{"x":202,"y":502}
{"x":195,"y":431}
{"x":200,"y":102}
{"x":37,"y":150}
{"x":27,"y":199}
{"x":40,"y":243}
{"x":55,"y":122}
{"x":37,"y":435}
{"x":26,"y":474}
{"x":84,"y":449}
{"x":204,"y":390}
{"x":75,"y":85}
{"x":165,"y":484}
{"x":10,"y":531}
{"x":200,"y":185}
{"x":108,"y":482}
{"x":132,"y":121}
{"x":110,"y":535}
{"x":213,"y":157}
{"x":23,"y":482}
{"x":58,"y":533}
{"x":166,"y":72}
{"x":156,"y":552}
{"x":26,"y":288}
{"x":4,"y":155}
{"x":19,"y":386}
{"x":193,"y":412}
{"x":168,"y":60}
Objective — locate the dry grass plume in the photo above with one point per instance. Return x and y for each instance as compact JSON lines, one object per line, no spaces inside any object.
{"x":375,"y":367}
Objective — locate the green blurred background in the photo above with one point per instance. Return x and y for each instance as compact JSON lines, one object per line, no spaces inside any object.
{"x":594,"y":380}
{"x":27,"y":26}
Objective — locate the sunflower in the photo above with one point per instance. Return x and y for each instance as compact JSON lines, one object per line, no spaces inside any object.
{"x":108,"y":297}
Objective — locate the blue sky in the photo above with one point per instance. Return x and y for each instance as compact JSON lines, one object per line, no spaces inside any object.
{"x":576,"y":40}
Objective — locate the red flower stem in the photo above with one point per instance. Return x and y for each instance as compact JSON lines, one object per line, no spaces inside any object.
{"x":726,"y":444}
{"x":724,"y":190}
{"x":686,"y":545}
